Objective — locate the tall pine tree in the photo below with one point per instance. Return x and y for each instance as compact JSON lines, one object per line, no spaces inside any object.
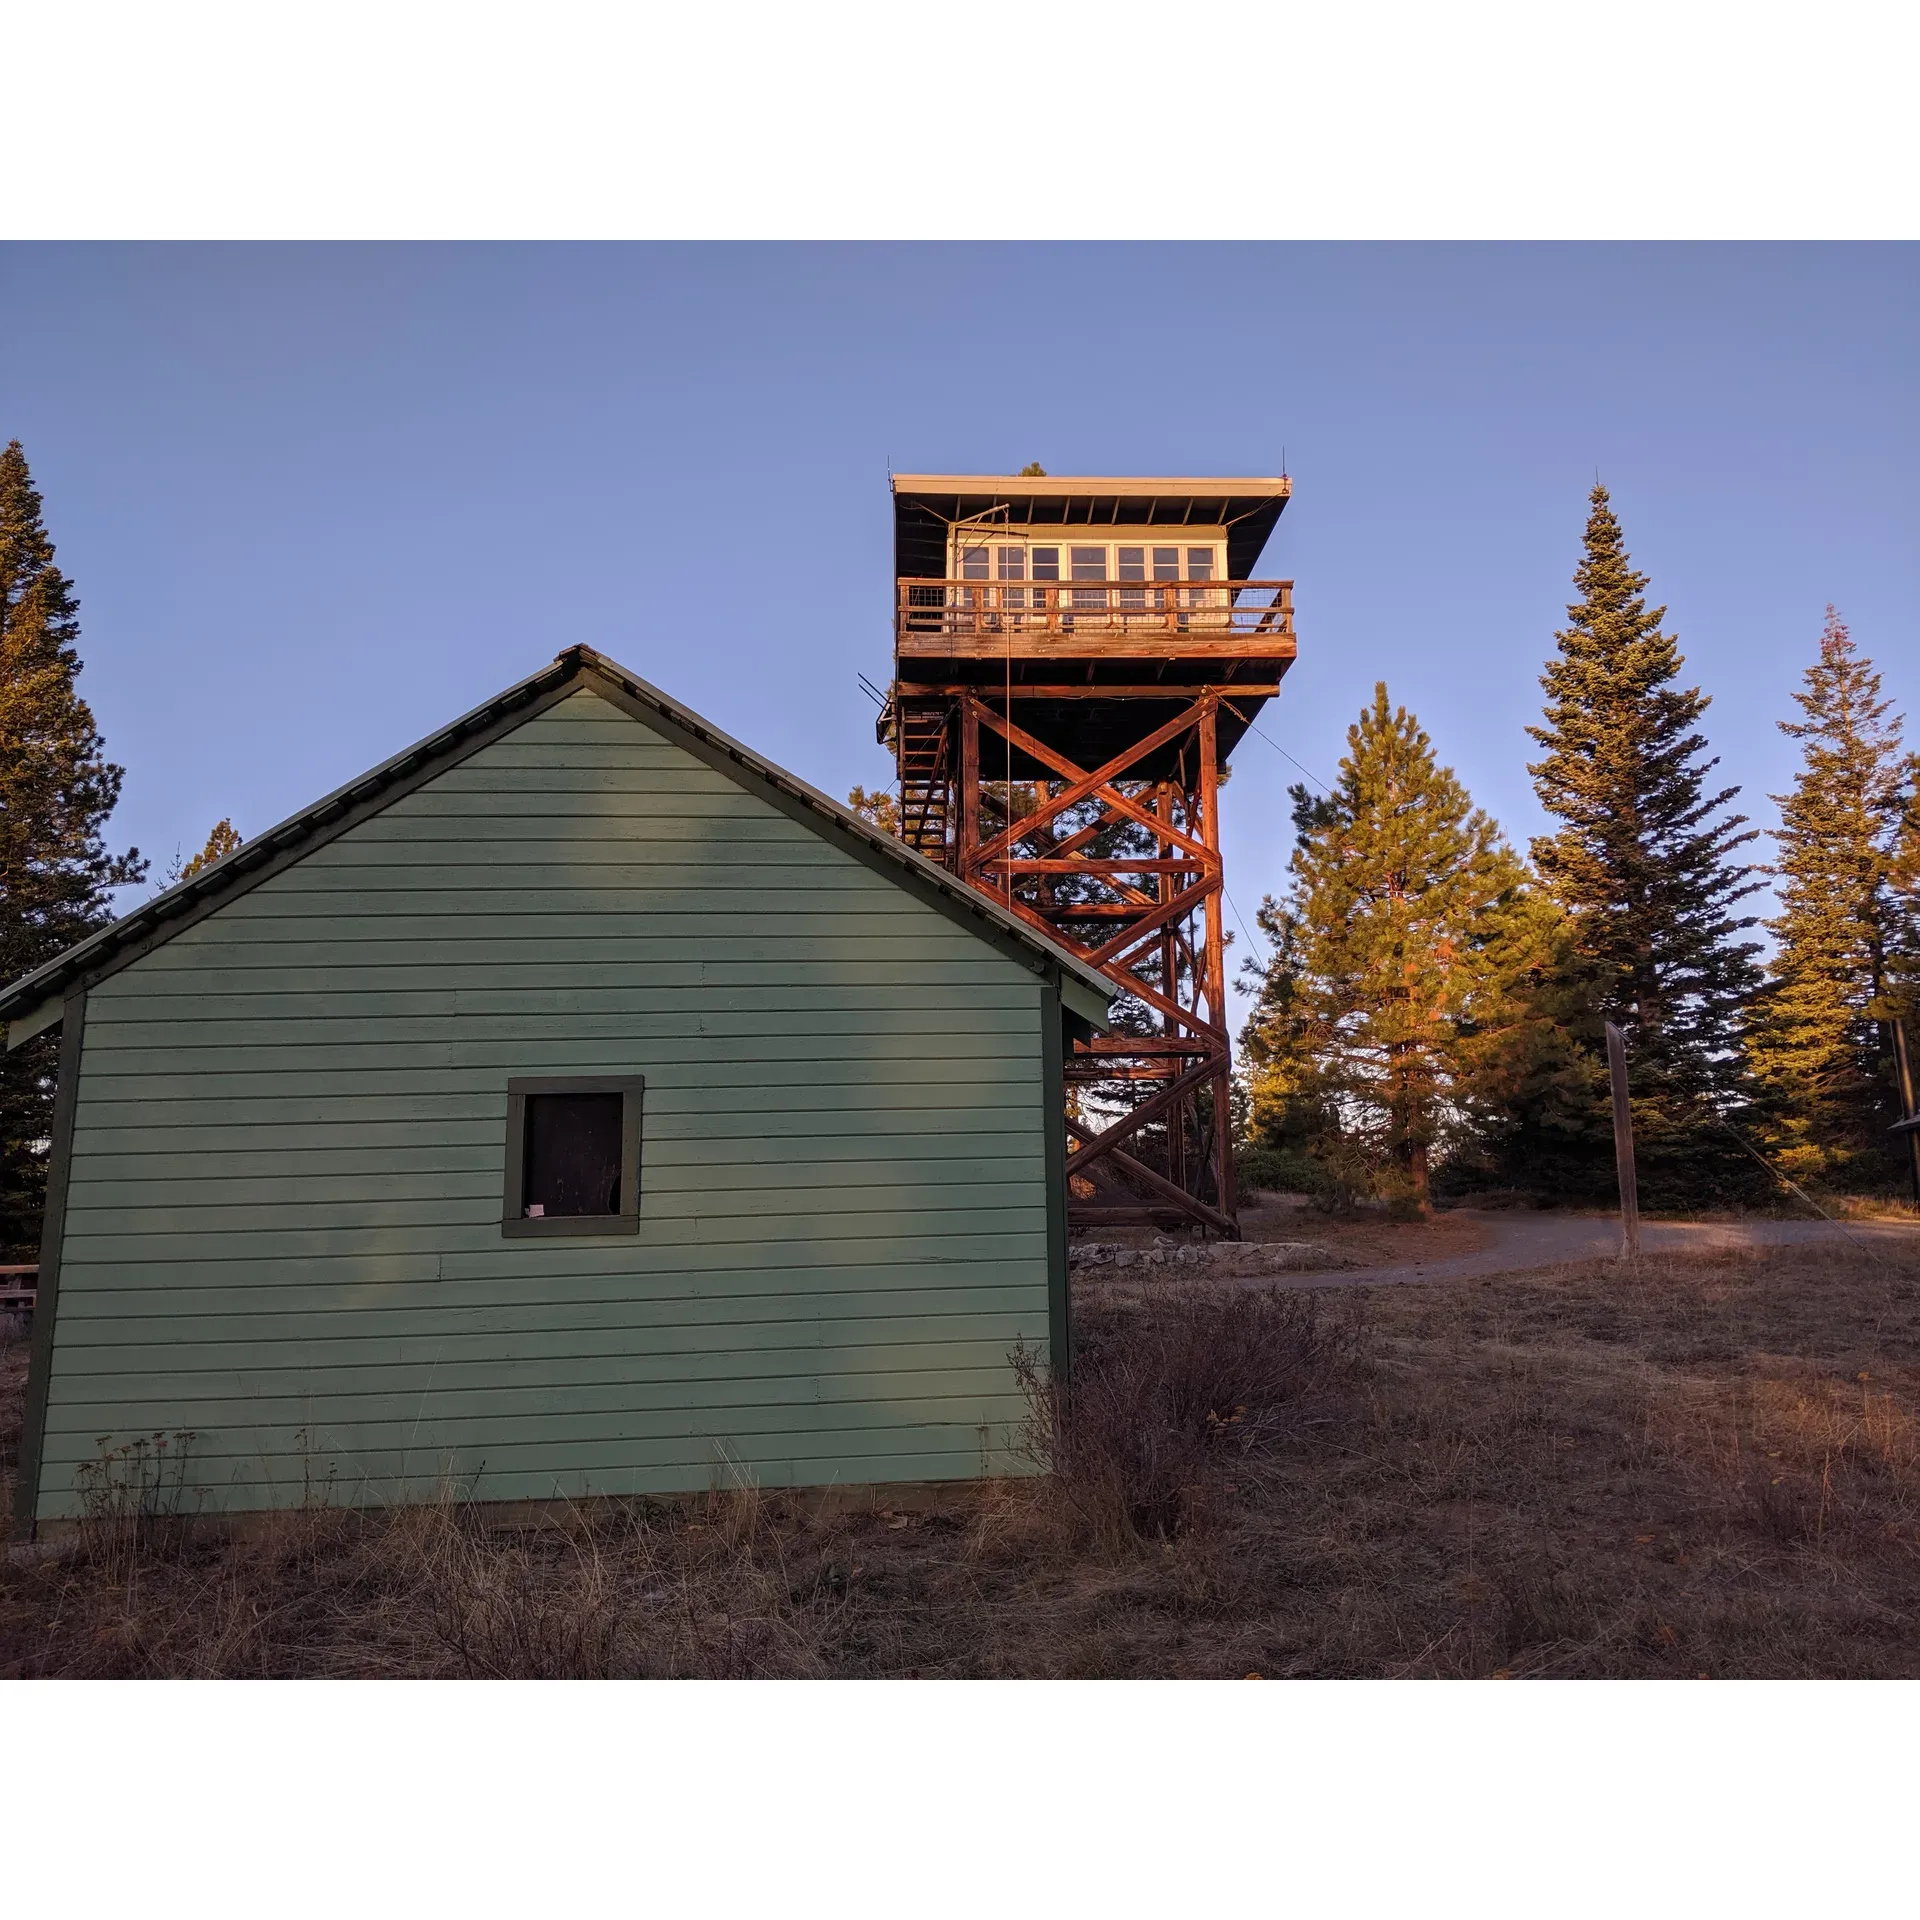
{"x":56,"y":790}
{"x":1403,"y":987}
{"x":1817,"y":1048}
{"x":1903,"y":885}
{"x":1647,"y":865}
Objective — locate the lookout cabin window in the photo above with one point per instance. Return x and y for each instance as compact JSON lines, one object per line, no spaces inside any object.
{"x":572,"y":1157}
{"x":1089,"y":563}
{"x":1015,"y":561}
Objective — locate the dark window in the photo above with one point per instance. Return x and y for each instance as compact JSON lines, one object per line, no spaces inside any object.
{"x":573,"y":1157}
{"x":1046,"y":563}
{"x":573,"y":1154}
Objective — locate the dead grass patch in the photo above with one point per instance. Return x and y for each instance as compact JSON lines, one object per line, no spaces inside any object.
{"x":1703,"y":1465}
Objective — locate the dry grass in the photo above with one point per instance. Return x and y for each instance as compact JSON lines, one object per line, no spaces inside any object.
{"x":1710,"y":1465}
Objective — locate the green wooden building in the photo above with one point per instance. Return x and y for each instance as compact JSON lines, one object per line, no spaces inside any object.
{"x":574,"y":1105}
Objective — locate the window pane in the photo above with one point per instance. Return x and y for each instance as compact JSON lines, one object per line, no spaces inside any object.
{"x":1013,"y":563}
{"x":1046,"y":563}
{"x":1089,"y":563}
{"x":573,"y":1154}
{"x":1132,"y":563}
{"x":973,"y":564}
{"x":1166,"y":563}
{"x":1199,"y":563}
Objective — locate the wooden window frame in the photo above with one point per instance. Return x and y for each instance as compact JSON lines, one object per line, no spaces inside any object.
{"x":632,"y":1088}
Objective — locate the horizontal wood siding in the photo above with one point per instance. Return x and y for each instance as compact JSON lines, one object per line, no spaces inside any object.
{"x":283,"y":1225}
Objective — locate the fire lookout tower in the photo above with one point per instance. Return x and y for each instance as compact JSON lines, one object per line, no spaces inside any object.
{"x":1074,"y":660}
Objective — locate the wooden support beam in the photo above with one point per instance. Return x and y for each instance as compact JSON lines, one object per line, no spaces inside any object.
{"x":1088,"y":690}
{"x":1183,"y":903}
{"x":969,"y":781}
{"x":1148,"y":1110}
{"x":1099,"y":869}
{"x":1158,"y":1183}
{"x":1083,"y":785}
{"x":1216,"y":951}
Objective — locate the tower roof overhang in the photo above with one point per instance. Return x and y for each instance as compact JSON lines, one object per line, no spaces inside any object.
{"x":925,"y":505}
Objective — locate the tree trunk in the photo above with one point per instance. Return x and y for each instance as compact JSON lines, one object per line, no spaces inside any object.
{"x":1417,"y":1174}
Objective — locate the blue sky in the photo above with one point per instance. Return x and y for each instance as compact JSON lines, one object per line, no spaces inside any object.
{"x":316,"y":500}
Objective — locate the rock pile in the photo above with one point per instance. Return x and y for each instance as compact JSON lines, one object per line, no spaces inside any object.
{"x":1224,"y":1257}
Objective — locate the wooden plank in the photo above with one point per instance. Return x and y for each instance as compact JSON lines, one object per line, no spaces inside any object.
{"x":688,"y":882}
{"x":346,"y":1389}
{"x":419,"y":1068}
{"x":473,"y":1196}
{"x":1271,"y":650}
{"x":422,"y":1436}
{"x":292,"y":1042}
{"x":722,"y":1163}
{"x":690,"y":1134}
{"x":680,"y":981}
{"x":695,"y":1467}
{"x":213,"y":1323}
{"x":119,"y":1310}
{"x":265,"y":1245}
{"x":588,"y":1443}
{"x":999,"y":1002}
{"x":1184,"y":691}
{"x":309,"y":927}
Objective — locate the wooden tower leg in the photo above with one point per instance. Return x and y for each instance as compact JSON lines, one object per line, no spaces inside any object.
{"x":1217,"y":966}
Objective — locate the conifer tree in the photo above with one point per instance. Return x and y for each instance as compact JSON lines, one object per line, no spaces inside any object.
{"x":223,"y":840}
{"x":1818,"y":1054}
{"x":1646,"y":863}
{"x":1903,"y":885}
{"x":880,"y":808}
{"x":1405,"y":963}
{"x":57,"y":789}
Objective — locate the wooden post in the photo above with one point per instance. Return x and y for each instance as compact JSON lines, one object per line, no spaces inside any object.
{"x":1623,"y":1144}
{"x":1164,"y":885}
{"x":969,"y":839}
{"x":1903,"y":1063}
{"x":1216,"y":951}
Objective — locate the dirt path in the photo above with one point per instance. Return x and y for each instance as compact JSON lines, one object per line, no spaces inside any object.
{"x":1513,"y":1242}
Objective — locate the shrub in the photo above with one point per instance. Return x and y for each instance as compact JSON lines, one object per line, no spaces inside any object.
{"x":1165,"y":1399}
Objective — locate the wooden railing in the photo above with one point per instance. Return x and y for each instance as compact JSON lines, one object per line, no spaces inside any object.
{"x":1220,"y":609}
{"x":19,"y":1289}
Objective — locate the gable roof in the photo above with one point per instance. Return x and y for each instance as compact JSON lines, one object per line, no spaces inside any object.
{"x":32,"y":1005}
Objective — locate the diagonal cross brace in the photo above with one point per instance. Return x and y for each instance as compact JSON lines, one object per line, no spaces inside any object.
{"x":1082,"y":784}
{"x":1130,"y":1124}
{"x":1158,"y":1183}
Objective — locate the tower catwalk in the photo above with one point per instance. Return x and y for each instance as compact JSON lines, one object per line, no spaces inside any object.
{"x":1074,"y":660}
